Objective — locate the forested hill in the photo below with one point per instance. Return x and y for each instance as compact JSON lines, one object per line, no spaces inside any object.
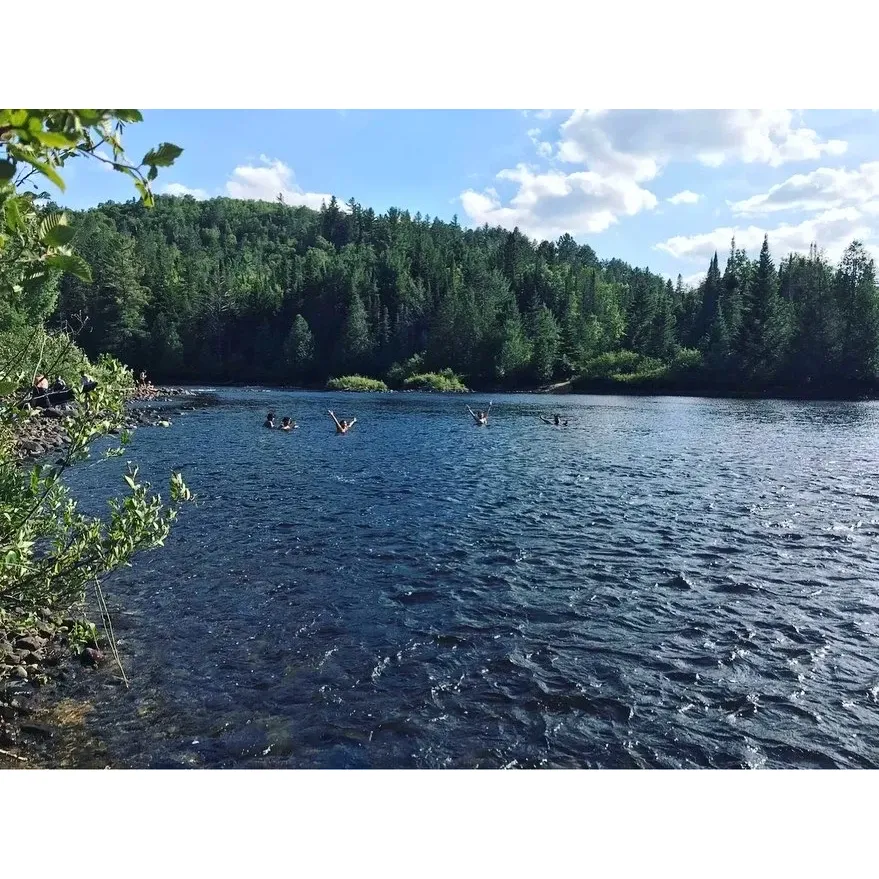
{"x":247,"y":291}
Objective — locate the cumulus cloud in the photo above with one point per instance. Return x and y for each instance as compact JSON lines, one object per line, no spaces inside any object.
{"x":180,"y":190}
{"x":546,"y":205}
{"x":639,"y":142}
{"x":618,"y":151}
{"x":831,"y":230}
{"x":543,"y":147}
{"x":818,"y":190}
{"x":266,"y":181}
{"x":685,"y":197}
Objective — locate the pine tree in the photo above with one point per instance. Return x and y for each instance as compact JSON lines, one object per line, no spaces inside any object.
{"x":299,"y":349}
{"x":642,"y":314}
{"x":710,"y":292}
{"x":858,"y":302}
{"x":546,"y":338}
{"x":662,"y":338}
{"x":731,"y":297}
{"x":355,"y":341}
{"x":762,"y":334}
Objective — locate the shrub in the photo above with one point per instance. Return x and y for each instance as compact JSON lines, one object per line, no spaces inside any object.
{"x":615,"y":364}
{"x":356,"y":383}
{"x":445,"y":382}
{"x":399,"y":372}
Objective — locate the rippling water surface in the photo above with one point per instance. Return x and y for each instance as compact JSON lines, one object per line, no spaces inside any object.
{"x":666,"y":582}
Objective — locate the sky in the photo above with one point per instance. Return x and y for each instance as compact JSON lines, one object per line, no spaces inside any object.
{"x":661,"y":189}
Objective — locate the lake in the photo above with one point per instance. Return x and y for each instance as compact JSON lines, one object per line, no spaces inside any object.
{"x":666,"y":582}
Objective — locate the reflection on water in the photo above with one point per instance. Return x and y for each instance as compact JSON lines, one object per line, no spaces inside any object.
{"x":664,"y":583}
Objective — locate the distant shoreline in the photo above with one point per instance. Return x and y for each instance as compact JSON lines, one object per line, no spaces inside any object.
{"x":597,"y":388}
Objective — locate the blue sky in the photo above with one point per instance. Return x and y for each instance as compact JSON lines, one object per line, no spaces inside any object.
{"x":604,"y":176}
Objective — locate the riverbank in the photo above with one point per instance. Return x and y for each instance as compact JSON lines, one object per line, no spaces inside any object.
{"x":44,"y":434}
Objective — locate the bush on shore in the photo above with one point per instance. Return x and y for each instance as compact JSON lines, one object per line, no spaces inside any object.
{"x":356,"y":383}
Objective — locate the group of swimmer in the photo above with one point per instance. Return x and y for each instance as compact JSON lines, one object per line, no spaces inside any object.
{"x":343,"y":426}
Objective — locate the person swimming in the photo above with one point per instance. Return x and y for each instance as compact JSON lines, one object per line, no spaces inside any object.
{"x":270,"y":420}
{"x":481,"y":418}
{"x":342,"y":426}
{"x":286,"y":424}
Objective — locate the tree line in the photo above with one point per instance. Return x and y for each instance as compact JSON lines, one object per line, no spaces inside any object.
{"x":247,"y":291}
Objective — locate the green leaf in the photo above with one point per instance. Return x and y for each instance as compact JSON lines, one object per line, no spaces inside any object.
{"x":163,"y":155}
{"x":54,"y":230}
{"x":56,"y":139}
{"x":47,"y":171}
{"x":153,"y":173}
{"x":71,"y":263}
{"x":129,"y":115}
{"x":59,"y":236}
{"x":145,"y":194}
{"x":13,"y":215}
{"x":90,"y":117}
{"x":7,"y":169}
{"x":7,"y":386}
{"x":15,"y":118}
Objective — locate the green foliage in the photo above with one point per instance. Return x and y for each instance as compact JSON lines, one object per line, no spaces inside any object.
{"x":49,"y":551}
{"x":546,"y":345}
{"x":444,"y":381}
{"x":299,"y":349}
{"x":225,"y":290}
{"x":399,"y":372}
{"x":686,"y":360}
{"x":82,"y":634}
{"x":624,"y":365}
{"x":356,"y":383}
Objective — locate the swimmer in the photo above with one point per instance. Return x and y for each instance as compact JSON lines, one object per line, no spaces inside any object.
{"x":342,"y":426}
{"x":286,"y":424}
{"x":270,"y":420}
{"x":481,"y":418}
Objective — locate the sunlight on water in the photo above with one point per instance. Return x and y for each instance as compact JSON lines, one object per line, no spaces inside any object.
{"x":663,"y":583}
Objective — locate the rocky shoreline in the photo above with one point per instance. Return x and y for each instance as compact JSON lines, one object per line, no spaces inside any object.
{"x":44,"y":435}
{"x":32,"y":657}
{"x":53,"y":647}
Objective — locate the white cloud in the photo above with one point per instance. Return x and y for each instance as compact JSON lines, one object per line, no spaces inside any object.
{"x":832,"y":231}
{"x":818,"y":190}
{"x":549,"y":204}
{"x":685,"y":197}
{"x":637,"y":143}
{"x":266,"y":181}
{"x":693,"y":280}
{"x":543,"y":147}
{"x":180,"y":190}
{"x":619,"y":150}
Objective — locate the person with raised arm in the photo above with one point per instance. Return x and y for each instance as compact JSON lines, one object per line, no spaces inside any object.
{"x":342,"y":426}
{"x":481,"y":418}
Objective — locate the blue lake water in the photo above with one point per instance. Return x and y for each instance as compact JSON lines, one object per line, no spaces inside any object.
{"x":666,"y":582}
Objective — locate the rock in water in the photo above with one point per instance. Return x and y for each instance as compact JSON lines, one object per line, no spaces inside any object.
{"x":92,"y":656}
{"x":31,"y":642}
